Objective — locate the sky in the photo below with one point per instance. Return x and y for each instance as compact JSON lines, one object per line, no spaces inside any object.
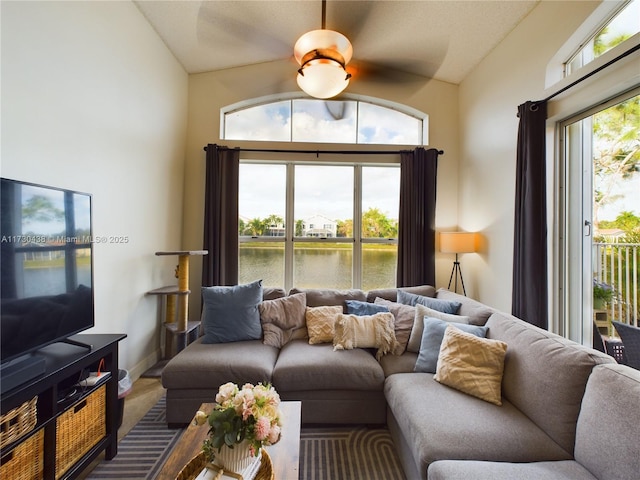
{"x":325,"y":190}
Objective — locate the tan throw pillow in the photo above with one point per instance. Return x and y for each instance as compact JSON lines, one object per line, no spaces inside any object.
{"x":283,"y":319}
{"x":415,"y":338}
{"x":366,"y":331}
{"x":320,"y":323}
{"x":471,"y":364}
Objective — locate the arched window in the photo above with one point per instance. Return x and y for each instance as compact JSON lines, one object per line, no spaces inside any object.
{"x":353,"y":120}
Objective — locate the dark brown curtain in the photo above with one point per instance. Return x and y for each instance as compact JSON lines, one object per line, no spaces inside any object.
{"x":529,"y":295}
{"x":417,"y":231}
{"x":220,"y":266}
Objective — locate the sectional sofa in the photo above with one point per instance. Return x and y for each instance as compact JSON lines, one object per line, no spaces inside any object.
{"x":476,"y":393}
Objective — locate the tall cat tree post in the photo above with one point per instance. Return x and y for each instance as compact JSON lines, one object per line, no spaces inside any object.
{"x":178,"y":328}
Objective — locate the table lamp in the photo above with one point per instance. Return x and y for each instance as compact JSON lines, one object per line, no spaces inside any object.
{"x":457,"y":242}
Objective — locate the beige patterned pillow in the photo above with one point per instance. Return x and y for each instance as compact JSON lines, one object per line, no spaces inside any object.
{"x":320,"y":323}
{"x":366,"y":331}
{"x":471,"y":364}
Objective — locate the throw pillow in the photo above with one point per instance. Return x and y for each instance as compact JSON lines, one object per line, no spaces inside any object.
{"x":415,"y":339}
{"x":320,"y":322}
{"x":367,"y":331}
{"x":472,"y":365}
{"x":230,"y":314}
{"x":432,"y":336}
{"x":357,"y":307}
{"x":403,"y":315}
{"x":444,"y":306}
{"x":283,"y":319}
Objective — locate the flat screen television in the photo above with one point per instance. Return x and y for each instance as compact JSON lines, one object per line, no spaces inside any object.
{"x":46,"y":283}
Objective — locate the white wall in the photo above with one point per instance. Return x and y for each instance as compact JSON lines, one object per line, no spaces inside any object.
{"x":92,"y":100}
{"x":511,"y":74}
{"x":208,"y":92}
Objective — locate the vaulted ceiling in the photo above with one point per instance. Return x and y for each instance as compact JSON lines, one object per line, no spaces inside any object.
{"x":442,"y":39}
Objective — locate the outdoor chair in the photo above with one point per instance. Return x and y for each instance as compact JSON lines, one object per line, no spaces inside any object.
{"x":630,"y":337}
{"x":613,"y":348}
{"x":598,"y":342}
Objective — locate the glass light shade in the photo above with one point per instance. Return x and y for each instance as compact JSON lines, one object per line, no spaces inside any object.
{"x":323,"y":39}
{"x":323,"y":78}
{"x":458,"y":242}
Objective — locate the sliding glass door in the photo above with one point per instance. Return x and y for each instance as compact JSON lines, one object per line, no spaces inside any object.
{"x":599,"y":220}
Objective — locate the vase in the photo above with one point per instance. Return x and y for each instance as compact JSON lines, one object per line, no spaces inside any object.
{"x":235,"y":459}
{"x":599,"y":303}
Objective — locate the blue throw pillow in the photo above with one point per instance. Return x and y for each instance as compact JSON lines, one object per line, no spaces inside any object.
{"x":444,"y":306}
{"x":357,"y":307}
{"x":432,"y":336}
{"x":230,"y":314}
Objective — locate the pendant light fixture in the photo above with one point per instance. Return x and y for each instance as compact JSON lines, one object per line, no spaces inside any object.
{"x":322,"y":56}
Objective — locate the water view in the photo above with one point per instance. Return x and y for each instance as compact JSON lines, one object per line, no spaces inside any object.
{"x":318,"y":267}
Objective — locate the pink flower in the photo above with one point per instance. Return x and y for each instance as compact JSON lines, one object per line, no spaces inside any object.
{"x":262,"y":428}
{"x":274,"y":434}
{"x":226,"y":392}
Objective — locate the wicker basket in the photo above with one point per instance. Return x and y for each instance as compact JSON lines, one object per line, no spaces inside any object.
{"x":18,"y":422}
{"x":80,"y":428}
{"x":26,"y":461}
{"x":192,"y":469}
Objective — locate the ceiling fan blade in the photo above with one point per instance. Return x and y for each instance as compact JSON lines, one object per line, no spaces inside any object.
{"x":349,"y":17}
{"x":221,"y":24}
{"x":387,"y":72}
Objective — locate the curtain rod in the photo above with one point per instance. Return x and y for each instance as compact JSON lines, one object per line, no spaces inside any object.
{"x":323,"y":152}
{"x":590,"y":74}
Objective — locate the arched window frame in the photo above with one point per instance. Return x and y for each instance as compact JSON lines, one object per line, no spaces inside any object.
{"x":290,"y":96}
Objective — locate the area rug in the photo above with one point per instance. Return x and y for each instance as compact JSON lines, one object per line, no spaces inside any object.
{"x":143,"y":451}
{"x":348,"y":453}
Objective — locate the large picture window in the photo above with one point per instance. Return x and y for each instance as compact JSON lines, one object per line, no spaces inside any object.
{"x":318,"y":225}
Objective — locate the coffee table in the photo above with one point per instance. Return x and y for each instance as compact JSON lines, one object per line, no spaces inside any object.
{"x":285,"y":455}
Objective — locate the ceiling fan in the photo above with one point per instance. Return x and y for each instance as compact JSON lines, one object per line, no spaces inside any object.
{"x":231,"y":25}
{"x":323,"y":55}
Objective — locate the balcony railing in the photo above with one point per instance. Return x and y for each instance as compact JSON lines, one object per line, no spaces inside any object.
{"x":617,"y":265}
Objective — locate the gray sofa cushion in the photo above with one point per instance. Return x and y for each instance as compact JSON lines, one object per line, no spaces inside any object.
{"x":608,"y":431}
{"x":318,"y":297}
{"x":440,"y":423}
{"x":391,"y":294}
{"x":398,"y":363}
{"x":477,"y":470}
{"x":211,"y":365}
{"x":478,"y":312}
{"x":544,"y":375}
{"x":302,"y":366}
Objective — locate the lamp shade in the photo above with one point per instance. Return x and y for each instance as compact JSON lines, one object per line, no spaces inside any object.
{"x":323,"y":78}
{"x":458,"y":242}
{"x":323,"y":40}
{"x":322,"y":55}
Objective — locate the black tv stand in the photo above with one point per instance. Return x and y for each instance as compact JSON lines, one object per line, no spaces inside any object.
{"x":21,"y":370}
{"x":75,"y":423}
{"x":70,"y":341}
